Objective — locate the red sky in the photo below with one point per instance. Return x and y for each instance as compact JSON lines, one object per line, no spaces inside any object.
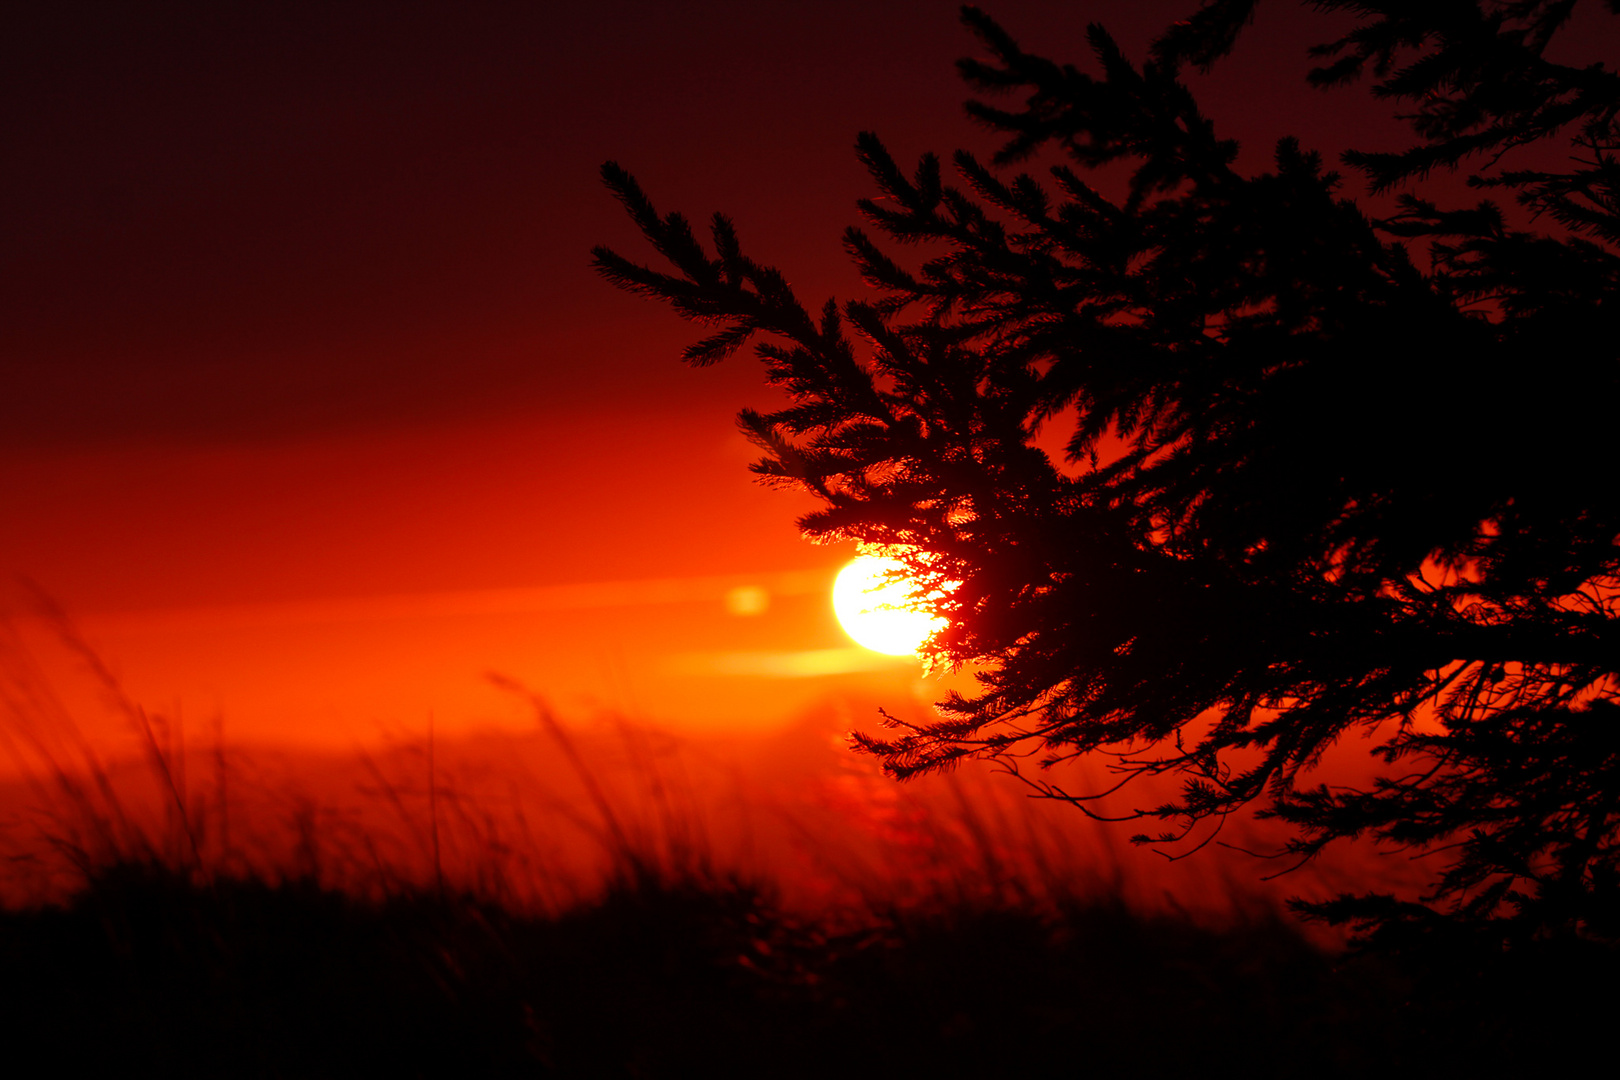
{"x":310,"y":408}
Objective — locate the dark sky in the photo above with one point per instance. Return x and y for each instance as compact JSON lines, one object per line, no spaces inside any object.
{"x":233,"y":221}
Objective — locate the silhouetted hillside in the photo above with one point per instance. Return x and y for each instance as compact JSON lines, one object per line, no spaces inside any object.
{"x":147,"y":972}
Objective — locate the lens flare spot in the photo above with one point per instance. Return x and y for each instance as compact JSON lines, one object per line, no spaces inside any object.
{"x":747,"y":600}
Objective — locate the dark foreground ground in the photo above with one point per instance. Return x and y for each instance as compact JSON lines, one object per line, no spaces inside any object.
{"x":148,"y":974}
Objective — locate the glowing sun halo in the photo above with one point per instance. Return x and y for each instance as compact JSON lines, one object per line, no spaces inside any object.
{"x":877,"y":610}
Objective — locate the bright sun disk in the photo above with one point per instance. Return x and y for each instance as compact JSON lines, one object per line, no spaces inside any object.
{"x":877,"y":609}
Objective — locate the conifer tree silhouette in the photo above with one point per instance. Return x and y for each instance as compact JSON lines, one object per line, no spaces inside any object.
{"x":1327,"y":474}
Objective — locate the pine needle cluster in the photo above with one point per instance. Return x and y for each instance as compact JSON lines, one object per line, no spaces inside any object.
{"x":1325,"y":473}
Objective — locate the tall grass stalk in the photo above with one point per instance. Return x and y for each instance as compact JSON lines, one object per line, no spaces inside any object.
{"x":421,"y":815}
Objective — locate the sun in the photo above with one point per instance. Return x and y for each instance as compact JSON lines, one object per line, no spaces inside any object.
{"x":877,"y":609}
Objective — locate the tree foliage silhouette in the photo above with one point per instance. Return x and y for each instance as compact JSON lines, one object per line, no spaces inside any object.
{"x":1326,"y":472}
